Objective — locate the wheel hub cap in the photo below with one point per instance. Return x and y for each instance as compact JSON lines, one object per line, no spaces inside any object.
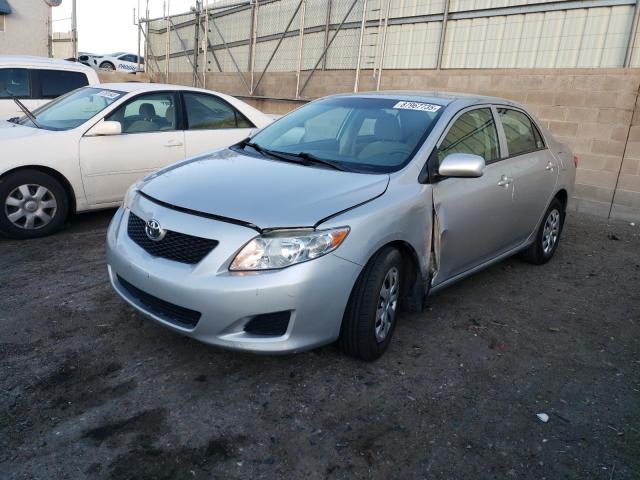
{"x":551,"y":231}
{"x":387,"y":304}
{"x":30,"y":206}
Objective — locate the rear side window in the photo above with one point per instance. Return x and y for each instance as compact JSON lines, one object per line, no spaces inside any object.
{"x":522,"y":136}
{"x":473,"y":132}
{"x":54,"y":83}
{"x":206,"y":112}
{"x":14,"y":81}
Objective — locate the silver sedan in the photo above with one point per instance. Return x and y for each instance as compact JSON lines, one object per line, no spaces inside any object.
{"x":323,"y":225}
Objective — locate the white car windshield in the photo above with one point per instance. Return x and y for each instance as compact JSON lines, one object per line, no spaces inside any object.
{"x":73,"y":109}
{"x":360,"y":134}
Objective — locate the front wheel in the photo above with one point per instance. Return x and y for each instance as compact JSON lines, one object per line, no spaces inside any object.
{"x":370,"y":318}
{"x":32,"y":204}
{"x":547,"y":236}
{"x":108,"y":66}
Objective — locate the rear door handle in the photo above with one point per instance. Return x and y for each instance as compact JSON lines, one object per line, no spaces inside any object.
{"x":173,"y":144}
{"x":505,"y":181}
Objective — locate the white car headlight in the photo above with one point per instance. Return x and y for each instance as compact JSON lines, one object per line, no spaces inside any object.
{"x":281,"y":249}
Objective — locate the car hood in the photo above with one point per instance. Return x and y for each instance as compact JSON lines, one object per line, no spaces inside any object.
{"x":12,"y":131}
{"x":265,"y":193}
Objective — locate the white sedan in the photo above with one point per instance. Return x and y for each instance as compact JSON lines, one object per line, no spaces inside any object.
{"x":83,"y":150}
{"x":114,"y":62}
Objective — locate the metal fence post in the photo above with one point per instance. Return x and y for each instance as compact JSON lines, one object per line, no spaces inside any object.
{"x":363,"y":25}
{"x":300,"y":47}
{"x":632,"y":36}
{"x":443,"y":33}
{"x":384,"y":45}
{"x":326,"y":32}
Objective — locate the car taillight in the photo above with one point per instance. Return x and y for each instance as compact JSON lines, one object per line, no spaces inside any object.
{"x":576,"y":160}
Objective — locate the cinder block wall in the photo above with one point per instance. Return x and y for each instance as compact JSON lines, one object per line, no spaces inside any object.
{"x":595,"y":111}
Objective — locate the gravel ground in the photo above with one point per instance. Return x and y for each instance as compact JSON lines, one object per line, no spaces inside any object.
{"x":90,"y":389}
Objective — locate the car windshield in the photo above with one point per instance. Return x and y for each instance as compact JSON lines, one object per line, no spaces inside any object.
{"x":362,"y":134}
{"x":73,"y":109}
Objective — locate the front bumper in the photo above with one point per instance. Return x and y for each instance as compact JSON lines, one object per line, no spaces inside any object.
{"x":315,"y":293}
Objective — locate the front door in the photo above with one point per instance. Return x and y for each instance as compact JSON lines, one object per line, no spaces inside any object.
{"x":473,"y":215}
{"x":150,"y":140}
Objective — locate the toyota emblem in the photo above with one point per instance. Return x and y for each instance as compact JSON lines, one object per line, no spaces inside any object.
{"x":154,"y":231}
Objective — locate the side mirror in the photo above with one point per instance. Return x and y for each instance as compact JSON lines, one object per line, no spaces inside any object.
{"x":106,"y":128}
{"x":462,"y":165}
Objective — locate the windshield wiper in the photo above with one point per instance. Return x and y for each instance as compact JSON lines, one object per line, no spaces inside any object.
{"x":302,"y":158}
{"x":310,"y":158}
{"x":26,"y":111}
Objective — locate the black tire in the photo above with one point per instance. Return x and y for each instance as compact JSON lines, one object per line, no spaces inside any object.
{"x":10,"y":185}
{"x":358,"y":337}
{"x":108,"y":66}
{"x":539,"y":253}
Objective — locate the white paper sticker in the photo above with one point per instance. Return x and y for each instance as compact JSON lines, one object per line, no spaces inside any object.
{"x":108,"y":94}
{"x":422,"y":107}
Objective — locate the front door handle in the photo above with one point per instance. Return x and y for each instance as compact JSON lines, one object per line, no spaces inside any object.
{"x":173,"y":144}
{"x":550,"y":166}
{"x":505,"y":181}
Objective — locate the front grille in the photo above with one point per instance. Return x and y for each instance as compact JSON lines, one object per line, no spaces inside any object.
{"x":176,"y":246}
{"x":271,"y":324}
{"x":181,"y":316}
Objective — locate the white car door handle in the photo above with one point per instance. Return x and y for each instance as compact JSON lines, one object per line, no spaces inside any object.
{"x":173,"y":144}
{"x":505,"y":181}
{"x":550,"y":166}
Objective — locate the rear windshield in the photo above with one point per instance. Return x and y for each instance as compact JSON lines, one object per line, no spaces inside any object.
{"x":363,"y":134}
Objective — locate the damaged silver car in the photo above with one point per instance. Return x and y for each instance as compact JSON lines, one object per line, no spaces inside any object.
{"x":323,"y":225}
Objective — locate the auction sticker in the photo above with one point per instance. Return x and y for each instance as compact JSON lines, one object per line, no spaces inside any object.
{"x":108,"y":94}
{"x":422,"y":107}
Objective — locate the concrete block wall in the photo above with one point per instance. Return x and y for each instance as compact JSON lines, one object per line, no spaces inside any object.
{"x":595,"y":111}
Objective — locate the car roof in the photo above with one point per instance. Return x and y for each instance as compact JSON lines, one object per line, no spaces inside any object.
{"x":439,"y":98}
{"x":30,"y":61}
{"x":139,"y":86}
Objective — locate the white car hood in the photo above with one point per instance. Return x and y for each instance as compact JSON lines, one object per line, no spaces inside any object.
{"x":11,"y":131}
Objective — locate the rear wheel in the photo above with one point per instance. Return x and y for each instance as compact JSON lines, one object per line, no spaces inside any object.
{"x":32,"y":204}
{"x":547,"y":236}
{"x":370,"y":318}
{"x":107,"y":66}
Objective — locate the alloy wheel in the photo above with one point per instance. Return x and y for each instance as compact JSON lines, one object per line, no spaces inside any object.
{"x":30,"y":206}
{"x":387,"y":304}
{"x":551,"y":231}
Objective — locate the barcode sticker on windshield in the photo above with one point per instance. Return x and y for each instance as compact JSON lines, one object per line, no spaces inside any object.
{"x":108,"y":94}
{"x":422,"y":107}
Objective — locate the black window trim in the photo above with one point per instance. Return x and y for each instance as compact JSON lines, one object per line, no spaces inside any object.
{"x":222,"y":100}
{"x":533,"y":124}
{"x":177,"y":98}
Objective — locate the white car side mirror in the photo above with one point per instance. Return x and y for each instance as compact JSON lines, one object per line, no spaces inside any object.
{"x":462,"y":165}
{"x":105,"y":128}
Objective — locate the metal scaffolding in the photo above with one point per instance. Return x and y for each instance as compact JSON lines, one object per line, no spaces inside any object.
{"x":254,"y":37}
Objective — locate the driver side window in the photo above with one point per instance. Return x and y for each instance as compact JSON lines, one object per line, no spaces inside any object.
{"x":473,"y":132}
{"x":152,"y":112}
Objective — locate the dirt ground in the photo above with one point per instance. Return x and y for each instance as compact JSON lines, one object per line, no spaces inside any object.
{"x":90,"y":389}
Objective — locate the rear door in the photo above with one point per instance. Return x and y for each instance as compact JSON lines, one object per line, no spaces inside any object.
{"x":473,"y":215}
{"x":534,"y":169}
{"x":151,"y":138}
{"x":212,"y":123}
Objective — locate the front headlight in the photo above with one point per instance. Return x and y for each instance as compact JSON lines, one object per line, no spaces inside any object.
{"x":284,"y":248}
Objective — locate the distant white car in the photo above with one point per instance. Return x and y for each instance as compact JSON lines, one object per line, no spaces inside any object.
{"x":82,"y":151}
{"x":36,"y":81}
{"x":115,"y":62}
